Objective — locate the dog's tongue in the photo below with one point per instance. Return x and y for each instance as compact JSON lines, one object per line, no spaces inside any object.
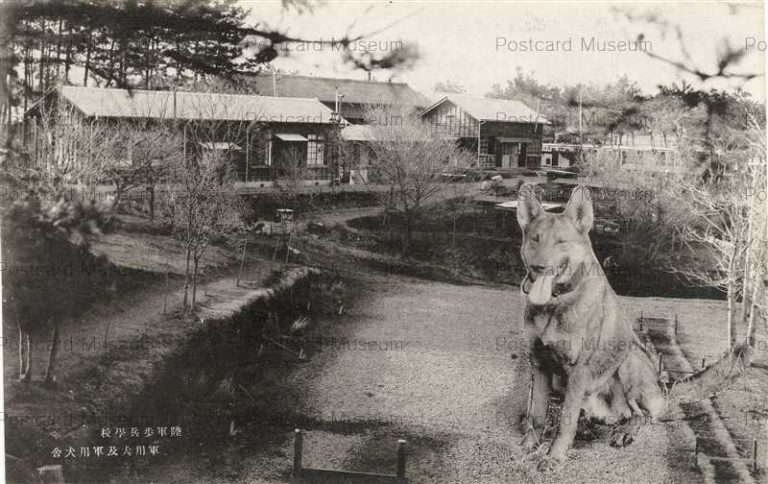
{"x":541,"y":291}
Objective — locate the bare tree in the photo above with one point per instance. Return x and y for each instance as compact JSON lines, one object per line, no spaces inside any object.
{"x":728,"y":221}
{"x":290,"y":174}
{"x":640,"y":200}
{"x":200,"y":205}
{"x":711,"y":231}
{"x":89,"y":154}
{"x":412,"y":159}
{"x":200,"y":202}
{"x":146,"y":146}
{"x":727,"y":214}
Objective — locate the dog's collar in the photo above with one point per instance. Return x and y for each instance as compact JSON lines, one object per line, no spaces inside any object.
{"x":578,"y":275}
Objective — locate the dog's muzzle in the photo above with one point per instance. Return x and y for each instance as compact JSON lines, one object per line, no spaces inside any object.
{"x":557,"y":288}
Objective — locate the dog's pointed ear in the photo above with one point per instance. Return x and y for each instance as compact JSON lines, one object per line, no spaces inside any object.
{"x":579,"y":209}
{"x":528,"y":207}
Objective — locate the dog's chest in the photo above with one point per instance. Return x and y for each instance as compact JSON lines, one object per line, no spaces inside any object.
{"x":553,"y":336}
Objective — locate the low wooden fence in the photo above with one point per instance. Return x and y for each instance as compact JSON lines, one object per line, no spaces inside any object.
{"x":303,"y":474}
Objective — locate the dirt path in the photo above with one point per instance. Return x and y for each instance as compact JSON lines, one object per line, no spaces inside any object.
{"x":430,"y":363}
{"x":713,"y":437}
{"x":108,"y":351}
{"x":425,"y":361}
{"x":333,"y":217}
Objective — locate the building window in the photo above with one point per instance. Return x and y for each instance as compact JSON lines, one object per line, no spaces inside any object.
{"x":315,"y":150}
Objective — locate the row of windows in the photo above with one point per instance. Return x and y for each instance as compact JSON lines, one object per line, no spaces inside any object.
{"x":315,"y":152}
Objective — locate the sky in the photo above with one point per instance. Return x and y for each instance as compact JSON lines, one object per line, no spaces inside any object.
{"x":480,"y":43}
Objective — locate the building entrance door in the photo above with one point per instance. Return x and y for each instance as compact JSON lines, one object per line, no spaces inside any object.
{"x":509,"y":153}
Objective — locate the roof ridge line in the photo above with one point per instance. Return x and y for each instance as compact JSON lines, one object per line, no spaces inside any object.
{"x":305,"y":76}
{"x":192,"y":92}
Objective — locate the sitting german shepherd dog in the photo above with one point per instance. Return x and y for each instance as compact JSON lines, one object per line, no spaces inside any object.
{"x":578,"y":334}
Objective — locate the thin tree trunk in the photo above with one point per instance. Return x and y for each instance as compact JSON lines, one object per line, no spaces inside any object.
{"x":185,"y":303}
{"x":88,"y":59}
{"x":58,"y":49}
{"x":746,"y":297}
{"x":408,"y":239}
{"x":68,"y":57}
{"x":242,"y":262}
{"x":27,"y":376}
{"x":194,"y":281}
{"x":49,"y":71}
{"x":731,"y":323}
{"x":111,"y":70}
{"x":28,"y":77}
{"x":165,"y":293}
{"x":751,"y":326}
{"x":151,"y":200}
{"x":21,"y":352}
{"x":119,"y":190}
{"x":122,"y":70}
{"x":49,"y":375}
{"x":748,"y":260}
{"x":42,"y":55}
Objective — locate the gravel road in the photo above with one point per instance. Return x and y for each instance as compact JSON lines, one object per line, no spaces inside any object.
{"x":433,"y":363}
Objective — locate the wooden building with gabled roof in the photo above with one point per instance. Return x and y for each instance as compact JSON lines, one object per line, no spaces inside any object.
{"x":505,"y":134}
{"x":276,"y":128}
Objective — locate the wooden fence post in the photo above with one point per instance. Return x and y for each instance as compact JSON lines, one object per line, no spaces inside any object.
{"x":754,"y":455}
{"x":53,"y":474}
{"x":242,"y":262}
{"x":401,"y":458}
{"x":765,"y":456}
{"x":696,"y":451}
{"x":165,"y":294}
{"x":297,"y":448}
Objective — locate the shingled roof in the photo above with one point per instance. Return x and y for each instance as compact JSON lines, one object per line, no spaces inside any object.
{"x":324,"y":89}
{"x":120,"y":103}
{"x":491,"y":109}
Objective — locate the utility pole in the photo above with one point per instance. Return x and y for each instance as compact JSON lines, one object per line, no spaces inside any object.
{"x":479,"y":126}
{"x":274,"y":83}
{"x":336,"y":139}
{"x":580,"y":116}
{"x":581,"y":142}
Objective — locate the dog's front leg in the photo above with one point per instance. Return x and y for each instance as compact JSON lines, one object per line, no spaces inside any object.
{"x":537,"y":407}
{"x":569,"y":416}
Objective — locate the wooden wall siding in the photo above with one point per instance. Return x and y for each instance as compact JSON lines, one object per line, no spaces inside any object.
{"x":516,"y":130}
{"x":451,"y":119}
{"x":70,"y":130}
